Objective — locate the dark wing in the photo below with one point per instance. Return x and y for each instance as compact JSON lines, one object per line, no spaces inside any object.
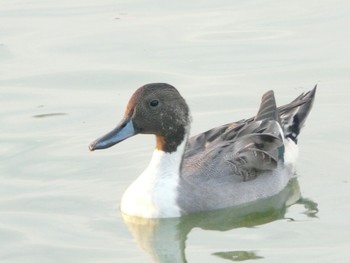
{"x":258,"y":146}
{"x":255,"y":144}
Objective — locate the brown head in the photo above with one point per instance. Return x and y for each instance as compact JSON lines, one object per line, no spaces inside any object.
{"x":155,"y":108}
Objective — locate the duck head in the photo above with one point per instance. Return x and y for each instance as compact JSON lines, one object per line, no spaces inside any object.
{"x":156,"y":108}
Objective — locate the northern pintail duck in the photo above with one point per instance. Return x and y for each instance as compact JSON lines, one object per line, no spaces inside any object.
{"x":227,"y":166}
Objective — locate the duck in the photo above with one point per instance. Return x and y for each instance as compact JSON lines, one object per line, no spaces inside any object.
{"x":228,"y":166}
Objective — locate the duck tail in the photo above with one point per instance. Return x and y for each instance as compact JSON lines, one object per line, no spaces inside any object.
{"x":294,"y":114}
{"x":268,"y":109}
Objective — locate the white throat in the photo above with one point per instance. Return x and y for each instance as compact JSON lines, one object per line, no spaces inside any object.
{"x":154,"y":193}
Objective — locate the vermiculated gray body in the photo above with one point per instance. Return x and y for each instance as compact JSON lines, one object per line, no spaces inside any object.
{"x":209,"y":171}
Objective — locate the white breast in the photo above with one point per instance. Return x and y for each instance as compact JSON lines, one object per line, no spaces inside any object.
{"x":154,"y":193}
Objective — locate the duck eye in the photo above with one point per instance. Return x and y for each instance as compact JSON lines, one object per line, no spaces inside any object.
{"x":154,"y":103}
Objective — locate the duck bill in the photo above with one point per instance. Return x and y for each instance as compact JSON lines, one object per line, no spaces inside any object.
{"x":124,"y":130}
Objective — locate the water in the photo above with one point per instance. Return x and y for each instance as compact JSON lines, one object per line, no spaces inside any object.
{"x":67,"y":70}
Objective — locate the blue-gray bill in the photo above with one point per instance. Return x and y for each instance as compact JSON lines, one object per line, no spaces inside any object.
{"x":124,"y":130}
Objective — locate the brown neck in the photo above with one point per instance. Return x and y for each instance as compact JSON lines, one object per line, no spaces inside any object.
{"x":168,"y":145}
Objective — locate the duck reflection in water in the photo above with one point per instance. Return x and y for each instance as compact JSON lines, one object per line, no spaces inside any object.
{"x":245,"y":168}
{"x":164,"y":240}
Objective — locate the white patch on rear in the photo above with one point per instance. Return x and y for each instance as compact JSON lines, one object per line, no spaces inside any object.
{"x":291,"y":153}
{"x":154,"y":193}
